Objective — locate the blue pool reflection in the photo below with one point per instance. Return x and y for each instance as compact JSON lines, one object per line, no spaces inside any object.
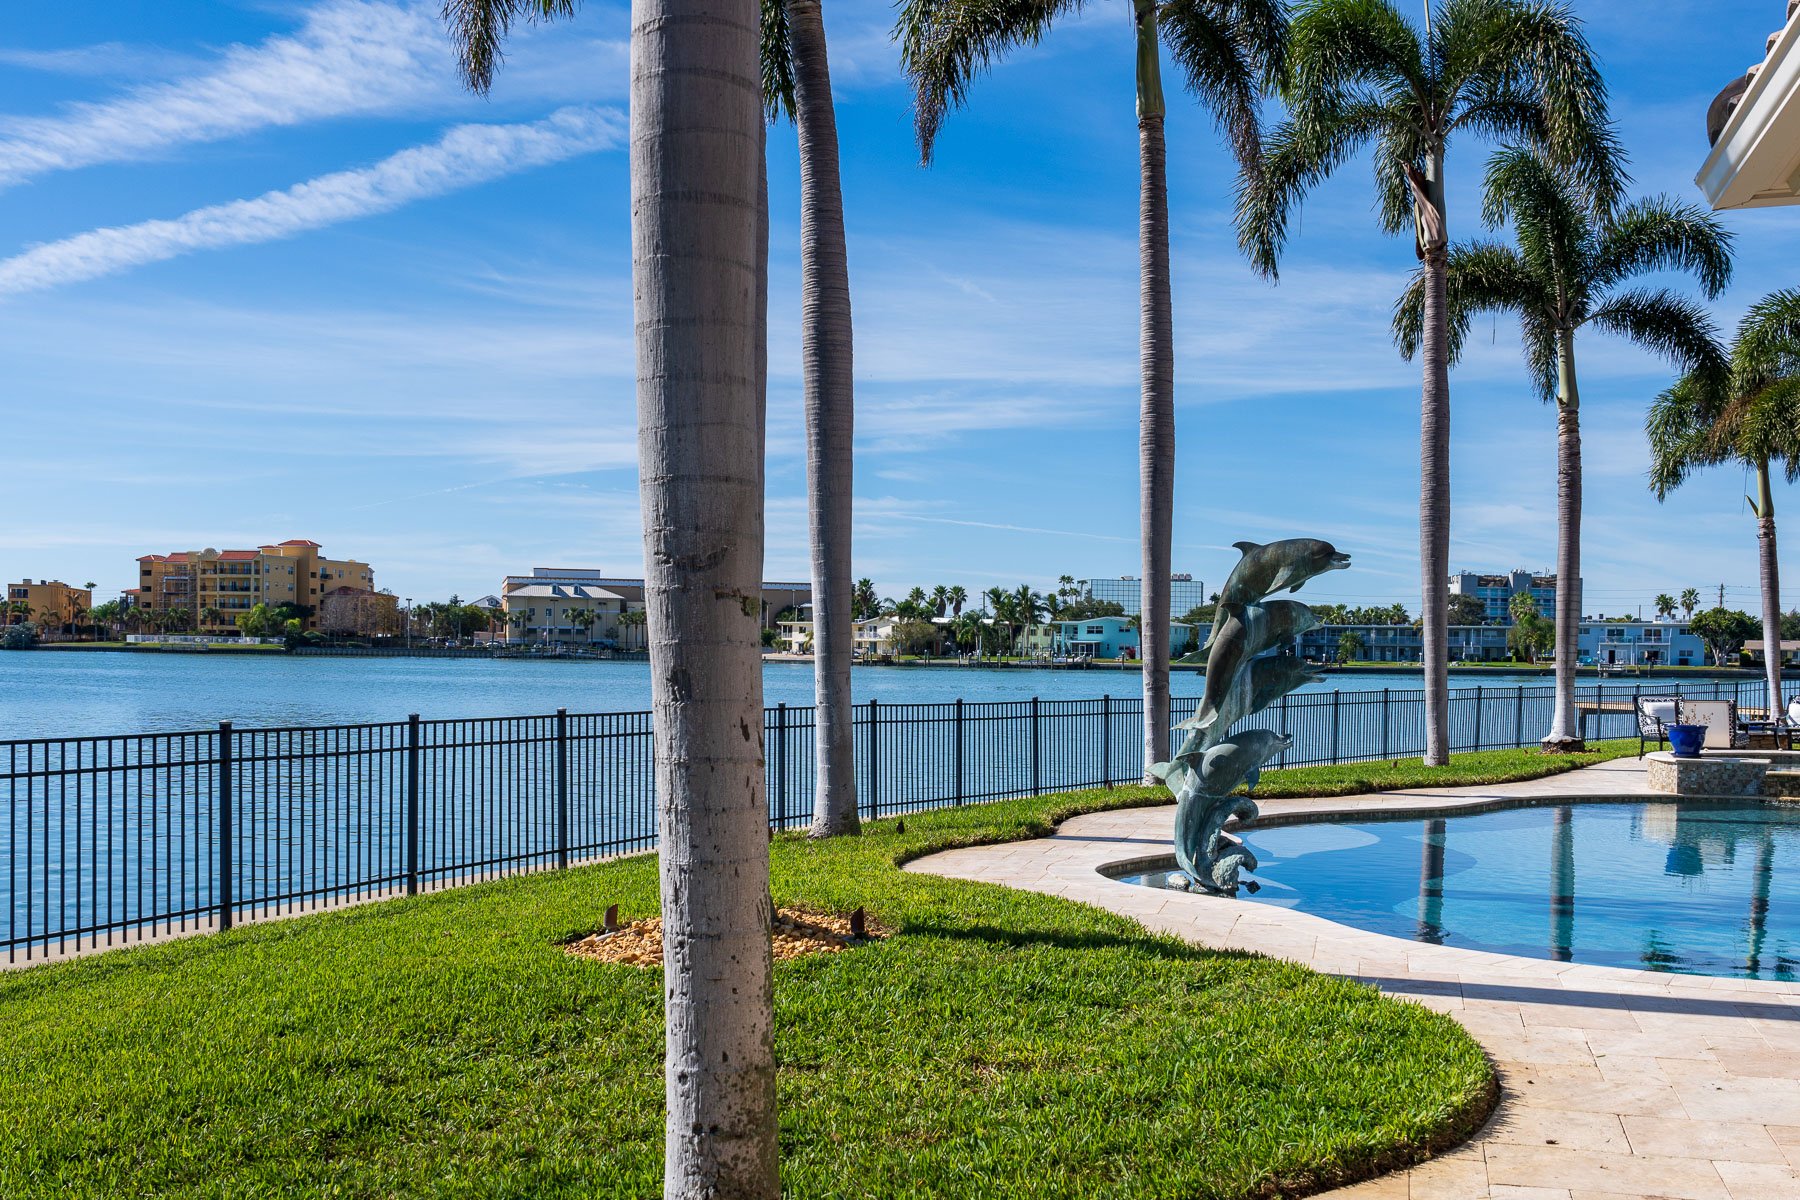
{"x":1699,"y":888}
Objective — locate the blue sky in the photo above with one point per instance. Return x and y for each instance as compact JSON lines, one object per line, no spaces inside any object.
{"x":266,"y":271}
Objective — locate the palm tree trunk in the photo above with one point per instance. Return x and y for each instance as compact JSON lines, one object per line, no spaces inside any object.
{"x":826,"y":349}
{"x":1565,"y":728}
{"x":696,"y":151}
{"x":1434,"y":477}
{"x":1156,"y":429}
{"x":1771,"y":586}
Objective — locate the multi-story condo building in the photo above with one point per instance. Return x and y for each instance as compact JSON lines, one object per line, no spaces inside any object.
{"x":215,"y":586}
{"x":1602,"y":643}
{"x":1497,"y":591}
{"x":52,"y":604}
{"x":1127,"y":591}
{"x":552,"y":605}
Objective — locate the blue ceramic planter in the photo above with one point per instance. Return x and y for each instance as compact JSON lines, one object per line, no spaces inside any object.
{"x":1685,"y":740}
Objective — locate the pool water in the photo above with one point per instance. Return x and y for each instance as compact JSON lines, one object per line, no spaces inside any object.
{"x":1706,"y":889}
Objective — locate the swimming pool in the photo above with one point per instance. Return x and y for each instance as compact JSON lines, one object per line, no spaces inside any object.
{"x":1707,"y":889}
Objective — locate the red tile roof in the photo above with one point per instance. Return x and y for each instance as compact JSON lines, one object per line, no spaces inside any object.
{"x":300,"y":542}
{"x":238,"y":555}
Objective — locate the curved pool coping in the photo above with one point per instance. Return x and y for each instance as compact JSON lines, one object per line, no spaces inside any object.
{"x":1616,"y":1081}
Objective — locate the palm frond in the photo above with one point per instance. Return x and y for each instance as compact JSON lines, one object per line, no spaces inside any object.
{"x":777,"y":55}
{"x":1534,"y":49}
{"x":1480,"y":277}
{"x":1230,"y":52}
{"x":1660,"y":234}
{"x":1768,"y":340}
{"x":945,"y":44}
{"x":1679,"y":427}
{"x":1297,"y":155}
{"x":1666,"y":324}
{"x":1548,"y":218}
{"x":1336,"y":47}
{"x":478,"y":27}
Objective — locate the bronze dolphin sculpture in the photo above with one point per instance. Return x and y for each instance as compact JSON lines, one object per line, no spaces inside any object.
{"x":1245,"y":631}
{"x":1268,"y":568}
{"x":1262,"y":681}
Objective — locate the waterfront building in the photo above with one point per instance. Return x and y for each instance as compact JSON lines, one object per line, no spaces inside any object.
{"x":52,"y":603}
{"x":229,"y":583}
{"x":1613,"y":643}
{"x":777,"y":598}
{"x":1496,"y":592}
{"x":1113,"y":637}
{"x":1754,"y":127}
{"x":1127,"y":591}
{"x":560,"y":612}
{"x":1659,"y":643}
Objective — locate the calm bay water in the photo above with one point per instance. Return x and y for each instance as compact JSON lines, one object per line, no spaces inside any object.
{"x":82,"y":693}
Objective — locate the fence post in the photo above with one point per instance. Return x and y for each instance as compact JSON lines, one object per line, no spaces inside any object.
{"x":412,"y":804}
{"x":874,"y":759}
{"x":1335,"y":695}
{"x":1477,"y":744}
{"x":224,"y":817}
{"x":1384,"y":722}
{"x":1519,"y":718}
{"x":959,"y":750}
{"x":781,"y":764}
{"x":1282,"y":761}
{"x":1106,"y":739}
{"x":1037,"y":786}
{"x":562,"y":789}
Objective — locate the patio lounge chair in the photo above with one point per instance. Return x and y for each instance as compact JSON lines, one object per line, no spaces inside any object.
{"x":1721,"y":720}
{"x":1654,"y":715}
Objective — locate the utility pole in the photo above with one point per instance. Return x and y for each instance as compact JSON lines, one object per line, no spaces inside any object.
{"x":1721,"y":595}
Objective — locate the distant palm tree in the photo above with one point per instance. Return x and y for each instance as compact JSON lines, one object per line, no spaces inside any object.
{"x":1358,"y":72}
{"x":865,"y":600}
{"x":1748,"y":414}
{"x":1690,"y":600}
{"x":797,"y":82}
{"x":940,"y":599}
{"x":1571,"y":270}
{"x":958,"y":596}
{"x":1665,"y":605}
{"x":1230,"y":51}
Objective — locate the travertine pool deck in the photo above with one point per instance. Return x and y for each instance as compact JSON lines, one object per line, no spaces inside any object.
{"x":1617,"y":1084}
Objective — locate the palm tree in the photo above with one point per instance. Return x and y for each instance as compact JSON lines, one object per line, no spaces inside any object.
{"x":1665,"y":605}
{"x":1230,"y":51}
{"x":958,"y":596}
{"x":1690,"y":600}
{"x":940,"y":599}
{"x":210,"y":616}
{"x":698,"y":222}
{"x":1747,"y":414}
{"x":1572,"y":269}
{"x":865,"y":601}
{"x":797,"y":83}
{"x":1359,"y":72}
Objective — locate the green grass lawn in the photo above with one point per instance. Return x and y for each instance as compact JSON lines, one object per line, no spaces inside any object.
{"x":1001,"y":1043}
{"x":1468,"y":769}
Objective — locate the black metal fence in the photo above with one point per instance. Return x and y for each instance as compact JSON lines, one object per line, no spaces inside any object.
{"x":115,"y":839}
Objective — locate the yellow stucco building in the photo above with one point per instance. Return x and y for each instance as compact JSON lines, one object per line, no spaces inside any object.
{"x":53,"y":604}
{"x":232,"y":582}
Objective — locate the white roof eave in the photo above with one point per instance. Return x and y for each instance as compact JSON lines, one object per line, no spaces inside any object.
{"x":1756,"y":161}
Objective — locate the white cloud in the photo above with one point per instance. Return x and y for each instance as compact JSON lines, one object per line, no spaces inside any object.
{"x":349,"y":56}
{"x":466,"y":155}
